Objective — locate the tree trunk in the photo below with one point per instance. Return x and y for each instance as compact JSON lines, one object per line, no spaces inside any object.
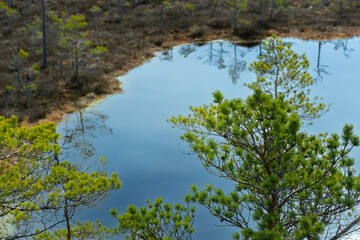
{"x":260,"y":10}
{"x":341,"y":6}
{"x":61,"y":63}
{"x":76,"y":65}
{"x":235,"y":16}
{"x":161,"y":11}
{"x":67,"y":218}
{"x":107,"y":5}
{"x":133,"y":4}
{"x":18,"y":77}
{"x":346,"y":230}
{"x":44,"y":33}
{"x":235,"y":79}
{"x":318,"y":58}
{"x":272,"y":9}
{"x":82,"y":124}
{"x":120,"y":11}
{"x":348,"y":13}
{"x":215,"y":6}
{"x":276,"y":82}
{"x":260,"y":49}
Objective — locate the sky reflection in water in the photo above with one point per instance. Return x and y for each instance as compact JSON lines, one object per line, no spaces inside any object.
{"x":130,"y":128}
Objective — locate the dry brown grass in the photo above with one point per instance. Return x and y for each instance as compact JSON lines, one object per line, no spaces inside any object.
{"x":133,"y":40}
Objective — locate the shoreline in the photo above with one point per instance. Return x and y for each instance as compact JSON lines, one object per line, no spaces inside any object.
{"x":68,"y":107}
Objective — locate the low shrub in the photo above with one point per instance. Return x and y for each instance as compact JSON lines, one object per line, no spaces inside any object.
{"x":218,"y":23}
{"x":247,"y":32}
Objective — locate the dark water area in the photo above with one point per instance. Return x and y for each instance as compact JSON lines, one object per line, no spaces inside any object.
{"x":130,"y":128}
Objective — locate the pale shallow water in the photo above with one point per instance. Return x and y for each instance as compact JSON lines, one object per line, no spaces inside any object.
{"x":130,"y":128}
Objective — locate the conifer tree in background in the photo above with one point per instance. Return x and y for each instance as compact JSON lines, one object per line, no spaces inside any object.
{"x":276,"y":6}
{"x":215,"y":4}
{"x":96,"y":11}
{"x":163,"y":4}
{"x":107,"y":5}
{"x":236,"y":6}
{"x":8,"y":10}
{"x":261,"y":4}
{"x":8,"y":16}
{"x":34,"y":30}
{"x":345,"y":8}
{"x":74,"y":39}
{"x":119,"y":5}
{"x":57,"y":30}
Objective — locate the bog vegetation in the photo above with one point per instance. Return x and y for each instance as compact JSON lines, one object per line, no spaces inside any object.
{"x":288,"y":184}
{"x":59,"y":51}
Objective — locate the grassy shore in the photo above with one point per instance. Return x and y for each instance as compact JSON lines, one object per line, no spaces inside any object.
{"x":133,"y":38}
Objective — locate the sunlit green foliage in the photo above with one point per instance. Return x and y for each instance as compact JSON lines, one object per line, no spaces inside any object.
{"x":25,"y":76}
{"x":36,"y":187}
{"x":280,"y":70}
{"x":157,"y":220}
{"x":74,"y":38}
{"x":98,"y":50}
{"x":95,"y":10}
{"x":189,"y":6}
{"x":288,"y":184}
{"x":73,"y":34}
{"x":22,"y":54}
{"x":8,"y":11}
{"x":86,"y":230}
{"x":34,"y":29}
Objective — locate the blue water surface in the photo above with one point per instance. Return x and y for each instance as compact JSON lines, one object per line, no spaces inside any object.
{"x":130,"y":128}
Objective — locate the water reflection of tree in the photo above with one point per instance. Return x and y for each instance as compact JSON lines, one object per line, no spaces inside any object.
{"x":342,"y":44}
{"x":216,"y":54}
{"x":166,"y":55}
{"x":339,"y":44}
{"x":187,"y":49}
{"x":78,"y":132}
{"x":320,"y":68}
{"x":223,"y":55}
{"x":209,"y":55}
{"x":220,"y":56}
{"x":237,"y":66}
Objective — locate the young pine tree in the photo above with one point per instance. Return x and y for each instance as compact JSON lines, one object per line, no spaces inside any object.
{"x":287,"y":184}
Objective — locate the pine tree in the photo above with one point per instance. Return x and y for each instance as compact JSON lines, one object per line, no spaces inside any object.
{"x":287,"y":184}
{"x":36,"y":186}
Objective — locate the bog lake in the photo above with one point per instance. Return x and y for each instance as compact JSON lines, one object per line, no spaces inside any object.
{"x":130,"y":128}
